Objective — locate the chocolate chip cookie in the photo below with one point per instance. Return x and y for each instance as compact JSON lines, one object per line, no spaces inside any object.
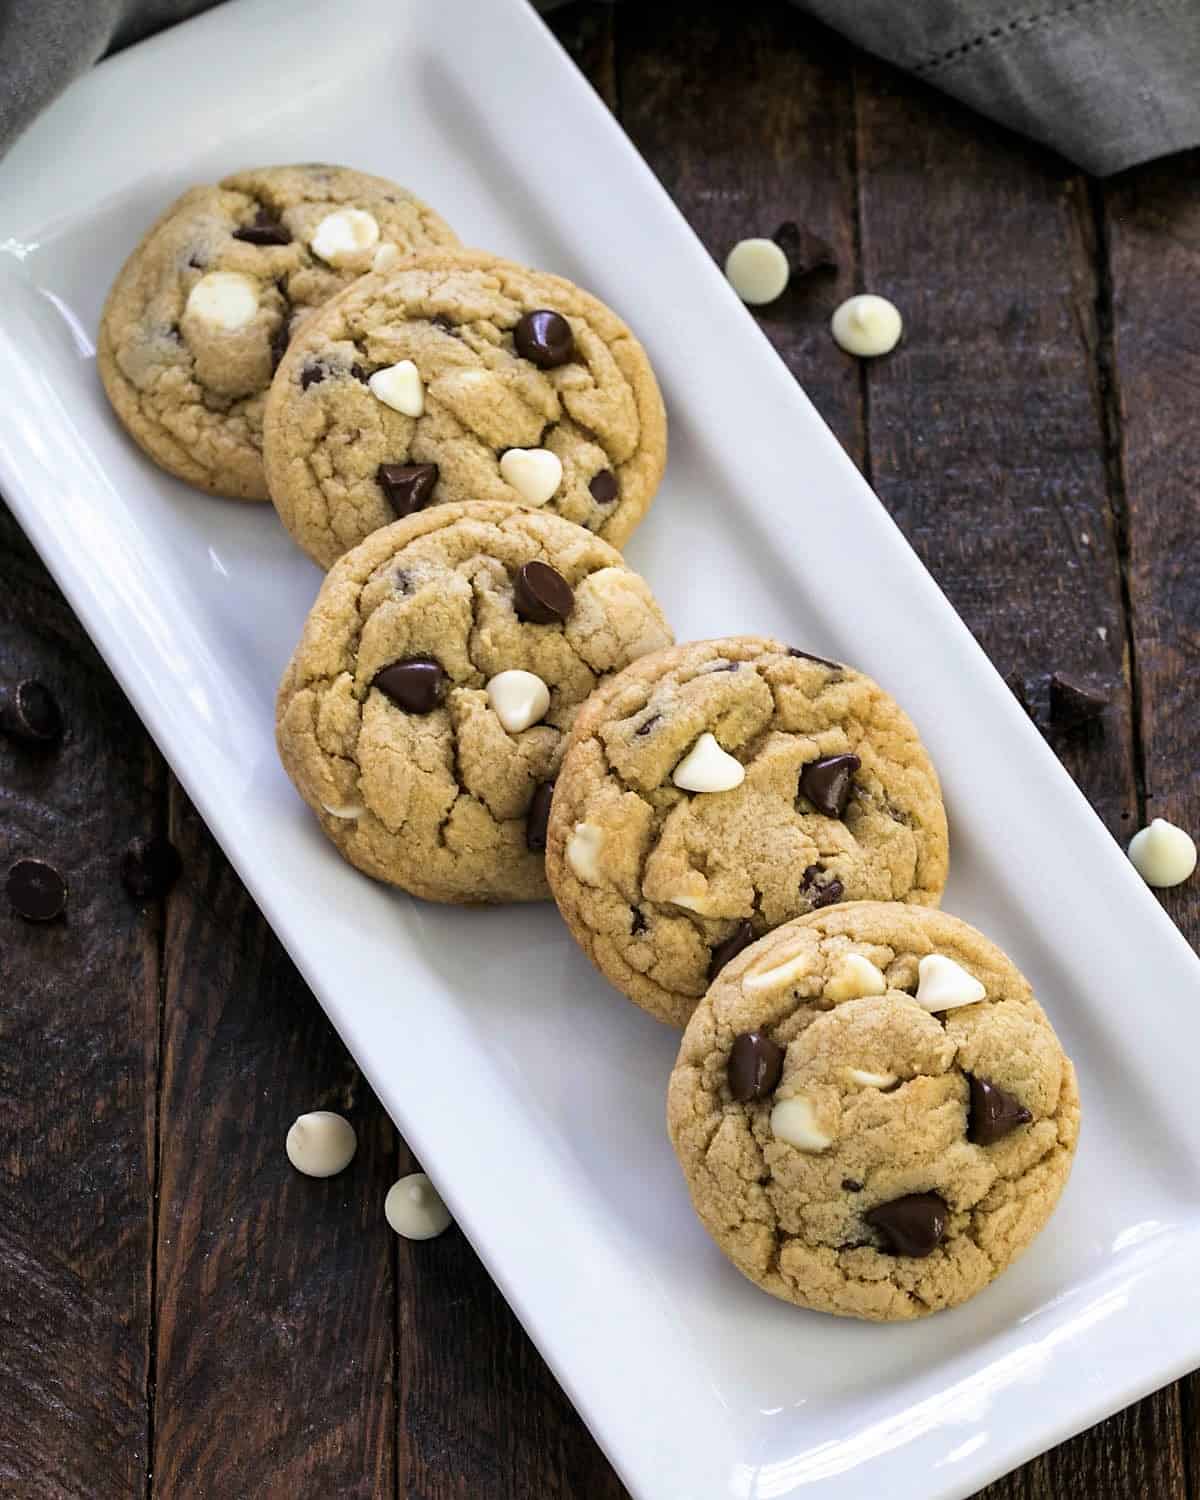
{"x":202,"y":311}
{"x":426,"y":708}
{"x":872,"y":1112}
{"x":461,"y":376}
{"x":713,"y":791}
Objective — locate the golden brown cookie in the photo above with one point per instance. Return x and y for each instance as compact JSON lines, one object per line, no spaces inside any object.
{"x":872,"y":1112}
{"x":461,"y":376}
{"x":201,"y":312}
{"x":425,"y":710}
{"x":715,"y":790}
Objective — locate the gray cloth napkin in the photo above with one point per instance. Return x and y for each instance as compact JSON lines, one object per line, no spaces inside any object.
{"x":1109,"y":83}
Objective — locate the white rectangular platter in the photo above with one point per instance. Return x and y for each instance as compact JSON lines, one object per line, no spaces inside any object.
{"x":548,"y":1138}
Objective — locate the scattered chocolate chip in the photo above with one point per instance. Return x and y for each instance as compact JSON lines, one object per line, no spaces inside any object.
{"x":755,"y":1063}
{"x":440,"y":320}
{"x":264,"y":231}
{"x":538,"y":816}
{"x":993,"y":1113}
{"x":407,"y":486}
{"x":417,"y":685}
{"x":149,"y":867}
{"x":827,"y":783}
{"x":851,"y":1185}
{"x":806,"y":252}
{"x":311,"y":375}
{"x":638,"y":922}
{"x":822,"y":892}
{"x":541,"y":594}
{"x":741,"y":937}
{"x":603,"y":487}
{"x":808,"y":656}
{"x":914,"y":1225}
{"x":36,"y":890}
{"x":647,"y":725}
{"x":1073,"y":703}
{"x":545,"y":339}
{"x":30,"y":713}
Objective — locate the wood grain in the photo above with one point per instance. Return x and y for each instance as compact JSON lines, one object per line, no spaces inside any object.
{"x":78,"y":1042}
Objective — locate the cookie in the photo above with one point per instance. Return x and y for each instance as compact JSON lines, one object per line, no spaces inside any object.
{"x":713,"y":791}
{"x":872,"y":1112}
{"x":461,"y":376}
{"x":426,"y":708}
{"x":201,"y":312}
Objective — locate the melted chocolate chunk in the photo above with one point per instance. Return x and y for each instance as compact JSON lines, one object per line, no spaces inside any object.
{"x":914,"y":1225}
{"x":741,"y":937}
{"x":311,"y":375}
{"x":264,"y":231}
{"x":407,"y":486}
{"x":851,"y":1185}
{"x":821,"y":892}
{"x":603,"y":487}
{"x":754,"y":1068}
{"x":416,"y":685}
{"x":993,"y":1114}
{"x":541,"y":594}
{"x":544,"y":338}
{"x":827,"y":783}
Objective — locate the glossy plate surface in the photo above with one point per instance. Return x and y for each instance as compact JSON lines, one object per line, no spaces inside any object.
{"x":548,"y":1137}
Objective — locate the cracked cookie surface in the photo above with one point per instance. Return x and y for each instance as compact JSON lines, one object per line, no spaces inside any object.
{"x":660,"y":884}
{"x":597,"y":414}
{"x":191,"y":391}
{"x":891,"y":1142}
{"x":439,"y":797}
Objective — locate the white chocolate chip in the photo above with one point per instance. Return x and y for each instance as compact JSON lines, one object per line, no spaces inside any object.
{"x":400,"y":387}
{"x":867,"y":325}
{"x":872,"y":1080}
{"x":856,"y":978}
{"x":518,"y":698}
{"x":699,"y":904}
{"x":708,"y":768}
{"x":321,"y":1144}
{"x":944,"y":985}
{"x":1162,"y":854}
{"x":344,"y":234}
{"x":223,"y":299}
{"x":535,"y":473}
{"x":794,"y":1121}
{"x":780,"y":973}
{"x":757,"y":270}
{"x":347,"y":810}
{"x":385,"y":257}
{"x":583,"y":852}
{"x":414,"y":1208}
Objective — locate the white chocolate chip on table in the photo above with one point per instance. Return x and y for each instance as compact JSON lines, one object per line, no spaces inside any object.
{"x":399,"y":386}
{"x":757,"y":270}
{"x":345,"y":234}
{"x":414,"y":1209}
{"x":535,"y":473}
{"x":1162,"y":854}
{"x":518,"y":698}
{"x":223,"y":299}
{"x":321,"y":1143}
{"x":867,"y":325}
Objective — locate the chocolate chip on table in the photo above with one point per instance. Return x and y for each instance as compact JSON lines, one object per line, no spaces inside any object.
{"x":36,"y":891}
{"x":149,"y":867}
{"x":741,"y":937}
{"x":544,"y":338}
{"x":407,"y":486}
{"x":1073,"y":703}
{"x":914,"y":1225}
{"x":754,"y":1068}
{"x":311,"y":375}
{"x":538,"y":816}
{"x":808,"y":656}
{"x":416,"y":685}
{"x":603,"y":487}
{"x":806,"y":252}
{"x":264,"y":231}
{"x":29,"y":712}
{"x":541,"y":594}
{"x":993,"y":1114}
{"x":827,"y":783}
{"x":823,"y":892}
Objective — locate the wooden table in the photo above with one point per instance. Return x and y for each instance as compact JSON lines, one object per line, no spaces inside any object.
{"x":183,"y":1316}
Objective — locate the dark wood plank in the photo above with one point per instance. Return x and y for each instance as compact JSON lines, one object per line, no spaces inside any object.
{"x":275,"y":1291}
{"x":78,"y":1038}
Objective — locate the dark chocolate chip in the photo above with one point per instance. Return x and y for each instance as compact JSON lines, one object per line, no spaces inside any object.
{"x":280,"y":339}
{"x":403,"y":581}
{"x":544,"y":338}
{"x":360,"y":373}
{"x":638,"y":922}
{"x":806,"y":252}
{"x":36,"y":890}
{"x":264,"y":231}
{"x":538,"y":816}
{"x":851,"y":1185}
{"x":827,"y":783}
{"x":1073,"y":703}
{"x":311,"y":375}
{"x":741,"y":937}
{"x":755,"y":1063}
{"x":647,"y":725}
{"x":993,"y":1113}
{"x":149,"y":867}
{"x":603,"y":487}
{"x":197,"y":261}
{"x":822,"y":892}
{"x":30,"y":713}
{"x":723,"y":666}
{"x":808,"y":656}
{"x":417,"y":685}
{"x":407,"y":486}
{"x":440,"y":320}
{"x":541,"y":594}
{"x":914,"y":1225}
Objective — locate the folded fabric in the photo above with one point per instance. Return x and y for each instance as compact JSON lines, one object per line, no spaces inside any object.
{"x":1109,"y":83}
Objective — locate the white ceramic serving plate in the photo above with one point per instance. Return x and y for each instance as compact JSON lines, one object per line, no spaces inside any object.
{"x":548,"y":1138}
